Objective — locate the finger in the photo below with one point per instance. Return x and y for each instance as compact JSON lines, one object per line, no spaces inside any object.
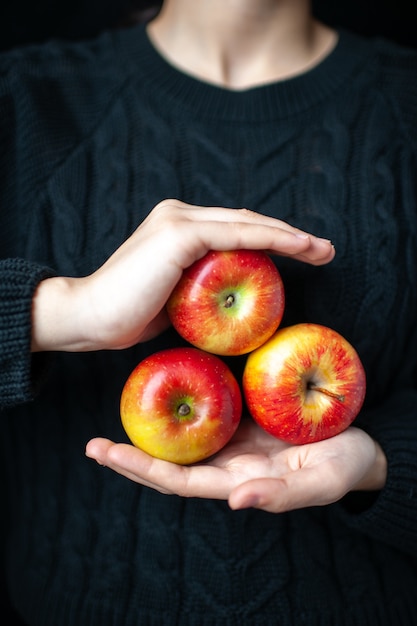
{"x":224,"y":214}
{"x":200,"y":481}
{"x":286,"y":238}
{"x":135,"y":465}
{"x":295,"y":490}
{"x":236,"y":235}
{"x":230,"y":228}
{"x":319,"y":252}
{"x":253,"y":218}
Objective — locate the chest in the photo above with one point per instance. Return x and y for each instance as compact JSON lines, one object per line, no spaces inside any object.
{"x":326,"y":178}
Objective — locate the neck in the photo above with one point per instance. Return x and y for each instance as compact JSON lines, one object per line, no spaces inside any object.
{"x":240,"y":43}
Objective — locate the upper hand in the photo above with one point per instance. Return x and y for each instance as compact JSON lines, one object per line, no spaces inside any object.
{"x":258,"y":470}
{"x":123,"y":302}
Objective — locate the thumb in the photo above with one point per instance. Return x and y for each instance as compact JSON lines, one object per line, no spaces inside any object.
{"x":295,"y":490}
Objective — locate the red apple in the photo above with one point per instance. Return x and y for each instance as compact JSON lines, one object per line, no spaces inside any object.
{"x":228,"y":303}
{"x":305,"y":384}
{"x":181,"y":405}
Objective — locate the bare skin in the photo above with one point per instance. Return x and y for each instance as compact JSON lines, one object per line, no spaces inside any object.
{"x":236,"y":44}
{"x":123,"y":302}
{"x":257,"y":470}
{"x":239,"y":44}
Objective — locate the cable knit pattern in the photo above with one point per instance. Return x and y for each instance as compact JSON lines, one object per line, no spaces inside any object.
{"x":19,"y":280}
{"x":94,"y":135}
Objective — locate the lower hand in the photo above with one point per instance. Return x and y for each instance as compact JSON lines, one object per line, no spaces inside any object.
{"x":258,"y":470}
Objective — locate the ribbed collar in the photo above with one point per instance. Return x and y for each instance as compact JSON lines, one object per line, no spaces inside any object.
{"x":267,"y":102}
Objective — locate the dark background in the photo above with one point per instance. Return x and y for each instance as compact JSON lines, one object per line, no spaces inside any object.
{"x":25,"y":22}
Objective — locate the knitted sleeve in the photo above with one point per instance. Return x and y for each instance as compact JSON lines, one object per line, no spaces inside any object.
{"x":20,"y":373}
{"x":390,"y":516}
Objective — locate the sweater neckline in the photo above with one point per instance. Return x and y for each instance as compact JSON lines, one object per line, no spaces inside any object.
{"x":275,"y":100}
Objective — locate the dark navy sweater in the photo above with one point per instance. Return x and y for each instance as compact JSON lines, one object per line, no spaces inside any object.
{"x":92,"y":136}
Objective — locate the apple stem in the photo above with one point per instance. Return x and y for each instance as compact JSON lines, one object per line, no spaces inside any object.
{"x":229,"y":301}
{"x":183,"y":410}
{"x":326,"y":392}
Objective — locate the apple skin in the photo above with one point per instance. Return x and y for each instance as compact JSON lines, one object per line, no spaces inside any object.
{"x":277,"y":377}
{"x":170,"y":382}
{"x":228,"y":303}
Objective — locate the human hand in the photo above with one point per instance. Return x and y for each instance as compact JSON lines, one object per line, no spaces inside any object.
{"x":123,"y":302}
{"x":257,"y":470}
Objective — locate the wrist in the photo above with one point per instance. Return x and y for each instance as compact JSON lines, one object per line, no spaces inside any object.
{"x":58,"y":322}
{"x":376,"y":477}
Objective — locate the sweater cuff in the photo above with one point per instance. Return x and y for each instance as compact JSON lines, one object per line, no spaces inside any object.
{"x":21,"y":371}
{"x":390,"y":516}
